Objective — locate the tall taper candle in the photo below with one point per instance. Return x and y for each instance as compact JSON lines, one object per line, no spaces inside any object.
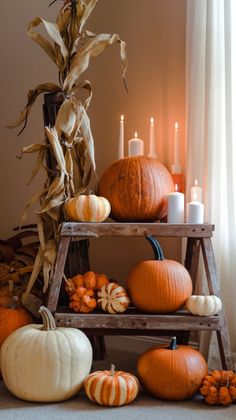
{"x":152,"y":146}
{"x":176,"y":167}
{"x":121,"y":139}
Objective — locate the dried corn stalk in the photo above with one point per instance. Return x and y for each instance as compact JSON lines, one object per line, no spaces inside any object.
{"x":70,"y":141}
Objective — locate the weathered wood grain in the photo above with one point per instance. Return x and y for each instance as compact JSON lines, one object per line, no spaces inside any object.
{"x":135,"y":229}
{"x":55,"y":286}
{"x":142,"y":322}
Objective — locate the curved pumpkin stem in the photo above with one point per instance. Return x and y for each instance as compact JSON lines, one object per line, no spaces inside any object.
{"x":173,"y":344}
{"x":158,"y":253}
{"x":47,"y":318}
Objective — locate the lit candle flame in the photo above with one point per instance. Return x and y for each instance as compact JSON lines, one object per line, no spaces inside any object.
{"x":176,"y":187}
{"x":122,"y":118}
{"x":152,"y":120}
{"x":176,"y":126}
{"x":195,"y":183}
{"x":136,"y":134}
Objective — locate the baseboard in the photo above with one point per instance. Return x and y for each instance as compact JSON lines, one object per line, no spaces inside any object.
{"x":137,"y":344}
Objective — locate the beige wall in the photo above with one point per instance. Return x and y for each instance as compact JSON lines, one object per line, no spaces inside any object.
{"x":154,"y":31}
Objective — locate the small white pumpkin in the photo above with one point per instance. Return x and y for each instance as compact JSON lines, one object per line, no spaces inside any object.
{"x":87,"y":208}
{"x":113,"y":298}
{"x":204,"y":305}
{"x":44,"y":363}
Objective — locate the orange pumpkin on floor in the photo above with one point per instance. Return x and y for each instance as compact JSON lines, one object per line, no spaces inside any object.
{"x":172,"y":373}
{"x":159,"y":285}
{"x":136,"y":188}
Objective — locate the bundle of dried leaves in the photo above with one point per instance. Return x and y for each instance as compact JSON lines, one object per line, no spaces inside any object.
{"x":70,"y":141}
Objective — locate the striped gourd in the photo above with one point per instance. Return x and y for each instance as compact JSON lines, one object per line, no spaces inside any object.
{"x":113,"y":298}
{"x":87,"y":208}
{"x":111,"y":388}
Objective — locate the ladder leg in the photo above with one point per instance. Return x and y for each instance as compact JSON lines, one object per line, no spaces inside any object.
{"x":191,"y":264}
{"x":192,"y":259}
{"x":55,"y":286}
{"x":214,"y":289}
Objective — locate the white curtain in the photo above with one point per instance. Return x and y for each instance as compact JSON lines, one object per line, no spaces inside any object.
{"x":211,"y":134}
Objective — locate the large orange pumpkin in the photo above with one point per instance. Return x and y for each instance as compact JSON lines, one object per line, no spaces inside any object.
{"x":159,"y":285}
{"x":136,"y":188}
{"x":173,"y":372}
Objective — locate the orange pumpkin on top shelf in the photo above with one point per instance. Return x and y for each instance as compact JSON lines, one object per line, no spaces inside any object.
{"x":136,"y":188}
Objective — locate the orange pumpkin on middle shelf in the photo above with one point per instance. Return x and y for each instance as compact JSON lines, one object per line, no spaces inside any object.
{"x":159,"y":285}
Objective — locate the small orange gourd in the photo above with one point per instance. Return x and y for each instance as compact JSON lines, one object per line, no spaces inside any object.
{"x":219,"y":387}
{"x":82,"y":290}
{"x":159,"y":285}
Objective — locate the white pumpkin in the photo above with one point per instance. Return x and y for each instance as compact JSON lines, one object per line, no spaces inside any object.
{"x":113,"y":298}
{"x":44,"y":363}
{"x":204,"y":305}
{"x":87,"y":208}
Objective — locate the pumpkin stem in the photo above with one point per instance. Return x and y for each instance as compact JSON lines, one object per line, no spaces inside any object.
{"x":112,"y":370}
{"x":173,"y":344}
{"x":158,"y":253}
{"x":47,"y":318}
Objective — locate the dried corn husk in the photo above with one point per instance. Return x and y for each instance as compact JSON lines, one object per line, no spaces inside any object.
{"x":70,"y":142}
{"x":94,"y":45}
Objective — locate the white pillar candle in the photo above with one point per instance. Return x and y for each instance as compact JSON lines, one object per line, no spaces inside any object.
{"x":176,"y":167}
{"x":196,"y":192}
{"x":175,"y":207}
{"x":121,"y":139}
{"x":152,"y":146}
{"x":195,"y":212}
{"x":136,"y":147}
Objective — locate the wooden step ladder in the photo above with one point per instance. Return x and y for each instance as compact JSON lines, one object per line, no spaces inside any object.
{"x":134,"y":322}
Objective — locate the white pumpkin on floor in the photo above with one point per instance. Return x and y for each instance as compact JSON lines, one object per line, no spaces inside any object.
{"x":43,"y":363}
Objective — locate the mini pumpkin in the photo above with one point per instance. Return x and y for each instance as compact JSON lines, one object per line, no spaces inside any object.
{"x":43,"y":363}
{"x":87,"y":208}
{"x":173,"y":372}
{"x":159,"y":285}
{"x":113,"y":298}
{"x":137,"y":188}
{"x":219,"y":387}
{"x":111,"y":387}
{"x":203,"y":305}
